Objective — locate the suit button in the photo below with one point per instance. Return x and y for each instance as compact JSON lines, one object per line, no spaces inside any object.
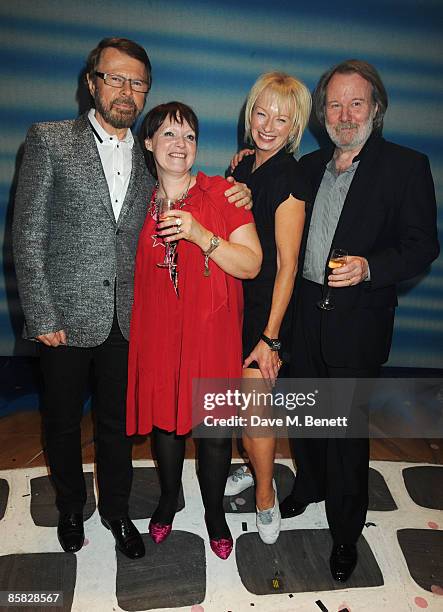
{"x":106,"y":283}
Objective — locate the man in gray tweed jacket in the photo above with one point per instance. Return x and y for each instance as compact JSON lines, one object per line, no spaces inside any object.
{"x":80,"y":204}
{"x":81,"y":201}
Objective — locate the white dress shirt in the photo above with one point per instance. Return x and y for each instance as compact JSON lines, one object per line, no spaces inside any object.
{"x":116,"y":158}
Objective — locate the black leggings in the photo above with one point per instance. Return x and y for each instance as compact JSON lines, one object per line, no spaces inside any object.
{"x":214,"y":460}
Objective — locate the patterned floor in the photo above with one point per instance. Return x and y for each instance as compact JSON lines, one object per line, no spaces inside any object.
{"x":400,"y":566}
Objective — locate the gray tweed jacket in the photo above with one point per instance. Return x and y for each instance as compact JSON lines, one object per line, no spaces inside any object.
{"x":70,"y":254}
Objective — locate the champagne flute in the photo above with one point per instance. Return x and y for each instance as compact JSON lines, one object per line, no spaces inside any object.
{"x":337,"y":259}
{"x":164,"y":205}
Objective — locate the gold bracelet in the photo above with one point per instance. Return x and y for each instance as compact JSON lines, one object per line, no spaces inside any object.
{"x":213,"y":244}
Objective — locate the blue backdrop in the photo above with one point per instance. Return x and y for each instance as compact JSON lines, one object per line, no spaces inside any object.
{"x":208,"y":54}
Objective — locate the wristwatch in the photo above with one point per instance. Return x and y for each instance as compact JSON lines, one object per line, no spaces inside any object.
{"x":273,"y":343}
{"x":213,"y":244}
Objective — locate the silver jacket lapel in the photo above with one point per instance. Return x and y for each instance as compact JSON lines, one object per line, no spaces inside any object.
{"x":89,"y":158}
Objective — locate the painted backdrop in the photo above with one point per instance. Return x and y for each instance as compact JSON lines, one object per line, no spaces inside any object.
{"x":208,"y":54}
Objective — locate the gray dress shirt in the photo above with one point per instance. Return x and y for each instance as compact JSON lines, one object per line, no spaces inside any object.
{"x":328,"y":205}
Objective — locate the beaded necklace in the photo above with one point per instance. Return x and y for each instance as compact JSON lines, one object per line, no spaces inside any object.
{"x":170,"y":260}
{"x":156,"y":199}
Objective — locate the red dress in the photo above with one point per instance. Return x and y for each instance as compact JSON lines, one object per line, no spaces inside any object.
{"x":196,"y":335}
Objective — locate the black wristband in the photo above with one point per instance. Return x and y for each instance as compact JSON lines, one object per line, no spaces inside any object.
{"x":273,"y":343}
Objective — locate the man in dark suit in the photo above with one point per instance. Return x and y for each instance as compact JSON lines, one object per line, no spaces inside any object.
{"x":81,"y":201}
{"x":376,"y":200}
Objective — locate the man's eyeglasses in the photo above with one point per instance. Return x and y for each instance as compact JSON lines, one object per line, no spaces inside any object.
{"x":115,"y":80}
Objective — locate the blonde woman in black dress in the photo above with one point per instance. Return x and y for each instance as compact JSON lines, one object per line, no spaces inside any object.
{"x":277,"y":112}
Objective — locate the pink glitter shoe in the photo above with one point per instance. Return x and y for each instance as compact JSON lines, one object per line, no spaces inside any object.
{"x":222,"y":547}
{"x":159,"y":532}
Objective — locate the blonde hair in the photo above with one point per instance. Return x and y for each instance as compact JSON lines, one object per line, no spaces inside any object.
{"x":288,"y":91}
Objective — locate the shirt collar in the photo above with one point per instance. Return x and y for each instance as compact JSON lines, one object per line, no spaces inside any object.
{"x":281,"y":153}
{"x":330,"y":167}
{"x":105,"y":136}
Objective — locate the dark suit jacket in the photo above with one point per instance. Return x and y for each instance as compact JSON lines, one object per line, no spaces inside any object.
{"x":389,"y":217}
{"x":71,"y":256}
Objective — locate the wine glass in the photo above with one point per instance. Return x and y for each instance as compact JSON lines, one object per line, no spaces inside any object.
{"x":164,"y":205}
{"x":337,"y":259}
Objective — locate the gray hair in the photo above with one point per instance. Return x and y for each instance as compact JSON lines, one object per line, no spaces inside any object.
{"x":367,"y":72}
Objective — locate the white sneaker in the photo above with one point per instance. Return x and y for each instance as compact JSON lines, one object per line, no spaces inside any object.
{"x":239,"y":481}
{"x":269,"y":521}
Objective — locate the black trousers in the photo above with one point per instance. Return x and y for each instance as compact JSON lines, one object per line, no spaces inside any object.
{"x":334,"y":470}
{"x":66,"y":374}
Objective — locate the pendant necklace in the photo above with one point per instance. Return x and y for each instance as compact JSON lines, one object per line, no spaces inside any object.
{"x":170,"y":260}
{"x":156,"y":199}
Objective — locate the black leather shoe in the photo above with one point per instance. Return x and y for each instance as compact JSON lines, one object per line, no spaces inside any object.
{"x":290,"y":507}
{"x":343,"y":561}
{"x":70,"y":532}
{"x":127,"y":538}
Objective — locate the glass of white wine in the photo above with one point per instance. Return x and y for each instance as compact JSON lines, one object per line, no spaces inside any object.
{"x":337,"y":259}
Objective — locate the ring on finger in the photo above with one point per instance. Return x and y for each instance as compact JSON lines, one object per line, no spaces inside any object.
{"x":178,"y":230}
{"x":178,"y":222}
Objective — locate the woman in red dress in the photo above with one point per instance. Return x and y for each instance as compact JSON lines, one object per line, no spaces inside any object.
{"x":187,"y":318}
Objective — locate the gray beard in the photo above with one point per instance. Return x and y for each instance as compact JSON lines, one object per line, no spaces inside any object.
{"x":118,"y":119}
{"x":359,"y":139}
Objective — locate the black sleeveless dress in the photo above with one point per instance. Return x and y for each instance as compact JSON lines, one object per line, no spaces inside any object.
{"x":271,"y":184}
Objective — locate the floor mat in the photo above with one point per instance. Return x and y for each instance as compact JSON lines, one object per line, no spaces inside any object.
{"x":4,"y":494}
{"x":424,"y":484}
{"x":299,"y":562}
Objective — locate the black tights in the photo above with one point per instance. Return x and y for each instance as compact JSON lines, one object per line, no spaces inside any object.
{"x":169,"y":450}
{"x":214,"y":460}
